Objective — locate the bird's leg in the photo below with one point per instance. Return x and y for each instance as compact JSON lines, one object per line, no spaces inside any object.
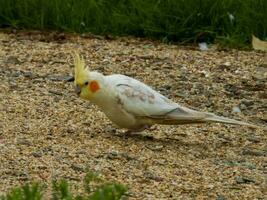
{"x":130,"y":131}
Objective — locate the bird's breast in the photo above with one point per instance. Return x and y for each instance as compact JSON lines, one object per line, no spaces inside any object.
{"x":113,"y":109}
{"x":120,"y":117}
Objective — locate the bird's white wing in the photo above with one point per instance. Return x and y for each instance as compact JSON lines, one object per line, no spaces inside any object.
{"x":141,"y":100}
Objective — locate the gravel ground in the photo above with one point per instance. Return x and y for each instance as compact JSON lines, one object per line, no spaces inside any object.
{"x":47,"y":132}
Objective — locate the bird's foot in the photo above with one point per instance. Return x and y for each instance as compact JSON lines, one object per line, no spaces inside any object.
{"x":130,"y":131}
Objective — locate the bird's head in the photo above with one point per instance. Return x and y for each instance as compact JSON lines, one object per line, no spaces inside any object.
{"x":87,"y":84}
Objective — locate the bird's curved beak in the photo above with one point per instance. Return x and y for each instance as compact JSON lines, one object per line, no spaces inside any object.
{"x":77,"y":90}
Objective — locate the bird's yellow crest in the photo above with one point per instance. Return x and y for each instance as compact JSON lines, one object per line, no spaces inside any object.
{"x":81,"y":72}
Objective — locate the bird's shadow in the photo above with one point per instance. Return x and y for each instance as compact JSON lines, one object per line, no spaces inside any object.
{"x":165,"y":140}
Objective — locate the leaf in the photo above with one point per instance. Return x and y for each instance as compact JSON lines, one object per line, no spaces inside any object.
{"x":27,"y":192}
{"x":258,"y":44}
{"x":109,"y":192}
{"x":61,"y":190}
{"x":89,"y":178}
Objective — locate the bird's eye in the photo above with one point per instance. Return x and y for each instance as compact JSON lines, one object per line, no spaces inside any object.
{"x":86,"y":83}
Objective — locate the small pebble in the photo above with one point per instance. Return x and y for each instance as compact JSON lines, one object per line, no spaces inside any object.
{"x":236,"y":109}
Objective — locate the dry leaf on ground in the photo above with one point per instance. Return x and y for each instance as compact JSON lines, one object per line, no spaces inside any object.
{"x":258,"y":44}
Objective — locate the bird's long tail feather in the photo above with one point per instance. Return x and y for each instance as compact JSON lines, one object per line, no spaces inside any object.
{"x":214,"y":118}
{"x":183,"y":115}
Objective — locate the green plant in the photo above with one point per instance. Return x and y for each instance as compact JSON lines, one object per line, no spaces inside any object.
{"x":27,"y":192}
{"x":229,"y":22}
{"x":94,"y":189}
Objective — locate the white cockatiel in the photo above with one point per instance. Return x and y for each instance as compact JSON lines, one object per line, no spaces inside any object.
{"x":133,"y":105}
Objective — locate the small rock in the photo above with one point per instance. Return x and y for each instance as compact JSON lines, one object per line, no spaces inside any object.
{"x":155,"y":148}
{"x":110,"y":130}
{"x":205,"y":73}
{"x":156,"y":68}
{"x":23,"y":176}
{"x":232,"y":90}
{"x":220,"y":197}
{"x":29,"y":75}
{"x":128,"y":157}
{"x":55,"y":92}
{"x":65,"y":78}
{"x":57,"y":99}
{"x":81,"y":151}
{"x":37,"y":154}
{"x":13,"y":85}
{"x":249,"y":165}
{"x":203,"y":46}
{"x":23,"y":141}
{"x":69,"y":78}
{"x":263,"y":65}
{"x":225,"y":66}
{"x":242,"y":106}
{"x":15,"y":74}
{"x":227,"y":63}
{"x":148,"y":137}
{"x":70,"y":130}
{"x":251,"y":152}
{"x":4,"y":37}
{"x":42,"y":167}
{"x":77,"y":167}
{"x":38,"y":80}
{"x":13,"y":60}
{"x":152,"y":176}
{"x":47,"y":149}
{"x":236,"y":109}
{"x":247,"y":103}
{"x":254,"y":139}
{"x":264,"y":117}
{"x":243,"y":180}
{"x":112,"y":155}
{"x":260,"y":73}
{"x":166,"y":87}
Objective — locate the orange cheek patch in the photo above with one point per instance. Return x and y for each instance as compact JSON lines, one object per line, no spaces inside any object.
{"x":93,"y":86}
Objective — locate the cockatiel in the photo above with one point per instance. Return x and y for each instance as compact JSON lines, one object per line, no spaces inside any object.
{"x":132,"y":105}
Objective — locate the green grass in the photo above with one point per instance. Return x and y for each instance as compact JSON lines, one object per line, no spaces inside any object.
{"x":168,"y":20}
{"x":94,"y":189}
